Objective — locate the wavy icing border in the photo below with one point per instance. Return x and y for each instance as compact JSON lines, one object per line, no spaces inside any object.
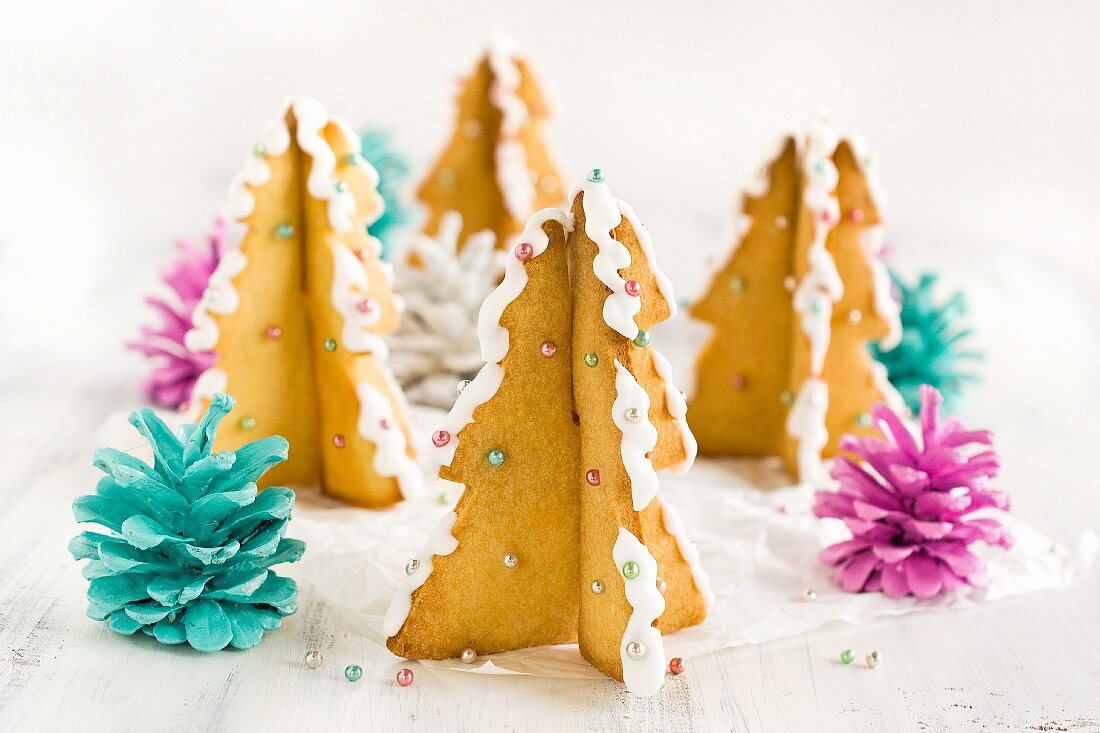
{"x":645,"y":675}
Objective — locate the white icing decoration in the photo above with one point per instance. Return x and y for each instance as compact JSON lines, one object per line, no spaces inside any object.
{"x":643,"y":676}
{"x":806,"y":423}
{"x":677,"y":407}
{"x":890,"y":395}
{"x":602,"y":213}
{"x":219,"y":297}
{"x":440,"y":542}
{"x":390,"y":457}
{"x":492,"y":335}
{"x":882,"y":288}
{"x":638,"y":439}
{"x":688,"y":550}
{"x":515,"y":184}
{"x":510,"y":156}
{"x":275,"y":137}
{"x":350,"y":285}
{"x":312,"y":119}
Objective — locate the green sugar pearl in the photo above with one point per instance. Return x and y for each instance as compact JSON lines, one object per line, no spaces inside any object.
{"x":847,"y":656}
{"x":284,"y":231}
{"x":590,"y":359}
{"x":247,"y":423}
{"x":353,"y":672}
{"x":786,"y":397}
{"x":631,"y":570}
{"x":864,"y":420}
{"x":642,"y":340}
{"x":737,"y":284}
{"x":353,"y":159}
{"x":259,"y":150}
{"x":495,"y":457}
{"x":596,"y":175}
{"x":330,"y":345}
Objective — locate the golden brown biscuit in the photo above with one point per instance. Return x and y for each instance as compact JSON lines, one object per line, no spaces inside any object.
{"x":294,"y":315}
{"x":560,"y":535}
{"x":787,"y":370}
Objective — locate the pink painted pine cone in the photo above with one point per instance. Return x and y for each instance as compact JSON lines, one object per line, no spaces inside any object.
{"x":909,"y":505}
{"x":174,"y":367}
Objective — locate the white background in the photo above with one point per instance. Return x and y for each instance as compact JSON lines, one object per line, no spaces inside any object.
{"x":121,"y":124}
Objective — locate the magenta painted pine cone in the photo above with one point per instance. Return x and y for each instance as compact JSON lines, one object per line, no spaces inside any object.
{"x":909,"y":504}
{"x":174,"y":367}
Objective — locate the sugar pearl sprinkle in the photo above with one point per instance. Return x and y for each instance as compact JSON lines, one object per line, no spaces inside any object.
{"x":633,"y":288}
{"x":440,"y":438}
{"x":273,"y":333}
{"x":630,"y":570}
{"x":874,"y":659}
{"x":592,"y":476}
{"x":463,"y":385}
{"x":338,"y":440}
{"x":676,"y":665}
{"x":469,"y":656}
{"x":597,"y":587}
{"x":510,"y":561}
{"x":548,"y":348}
{"x":314,"y":658}
{"x":632,"y":414}
{"x":495,"y":457}
{"x":591,"y":360}
{"x":847,"y":656}
{"x":642,"y":339}
{"x":404,"y":677}
{"x":809,"y":594}
{"x":524,"y":251}
{"x":353,"y":672}
{"x":635,"y":649}
{"x":412,"y":566}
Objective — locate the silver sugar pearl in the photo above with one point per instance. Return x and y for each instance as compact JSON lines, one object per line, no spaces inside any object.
{"x":855,"y":316}
{"x":213,"y":293}
{"x":809,"y":594}
{"x":411,"y":566}
{"x":468,"y":656}
{"x":463,"y":385}
{"x":635,"y":650}
{"x":510,"y":561}
{"x":314,"y":658}
{"x":874,"y":659}
{"x":597,"y":587}
{"x":662,"y":586}
{"x":632,"y":414}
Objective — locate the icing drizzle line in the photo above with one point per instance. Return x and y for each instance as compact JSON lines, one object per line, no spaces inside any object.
{"x":440,"y":542}
{"x":677,"y":407}
{"x":602,"y":213}
{"x":645,"y":674}
{"x":639,"y":436}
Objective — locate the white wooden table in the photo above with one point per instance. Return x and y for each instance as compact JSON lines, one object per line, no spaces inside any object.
{"x":1032,"y":663}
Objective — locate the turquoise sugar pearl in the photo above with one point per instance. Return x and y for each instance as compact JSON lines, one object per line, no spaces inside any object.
{"x":496,"y":457}
{"x":642,"y":339}
{"x":596,"y":175}
{"x":284,"y":231}
{"x":353,"y":672}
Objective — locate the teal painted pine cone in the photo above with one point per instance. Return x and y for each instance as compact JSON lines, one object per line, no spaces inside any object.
{"x":190,"y":542}
{"x":933,"y":348}
{"x":392,"y":168}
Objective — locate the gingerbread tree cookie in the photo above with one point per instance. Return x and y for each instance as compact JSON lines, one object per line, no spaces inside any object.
{"x":559,"y":535}
{"x":295,"y":310}
{"x":498,"y":168}
{"x":787,"y":370}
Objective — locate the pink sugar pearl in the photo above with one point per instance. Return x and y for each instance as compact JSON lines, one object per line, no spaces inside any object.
{"x":404,"y":677}
{"x":524,"y":251}
{"x":440,"y":438}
